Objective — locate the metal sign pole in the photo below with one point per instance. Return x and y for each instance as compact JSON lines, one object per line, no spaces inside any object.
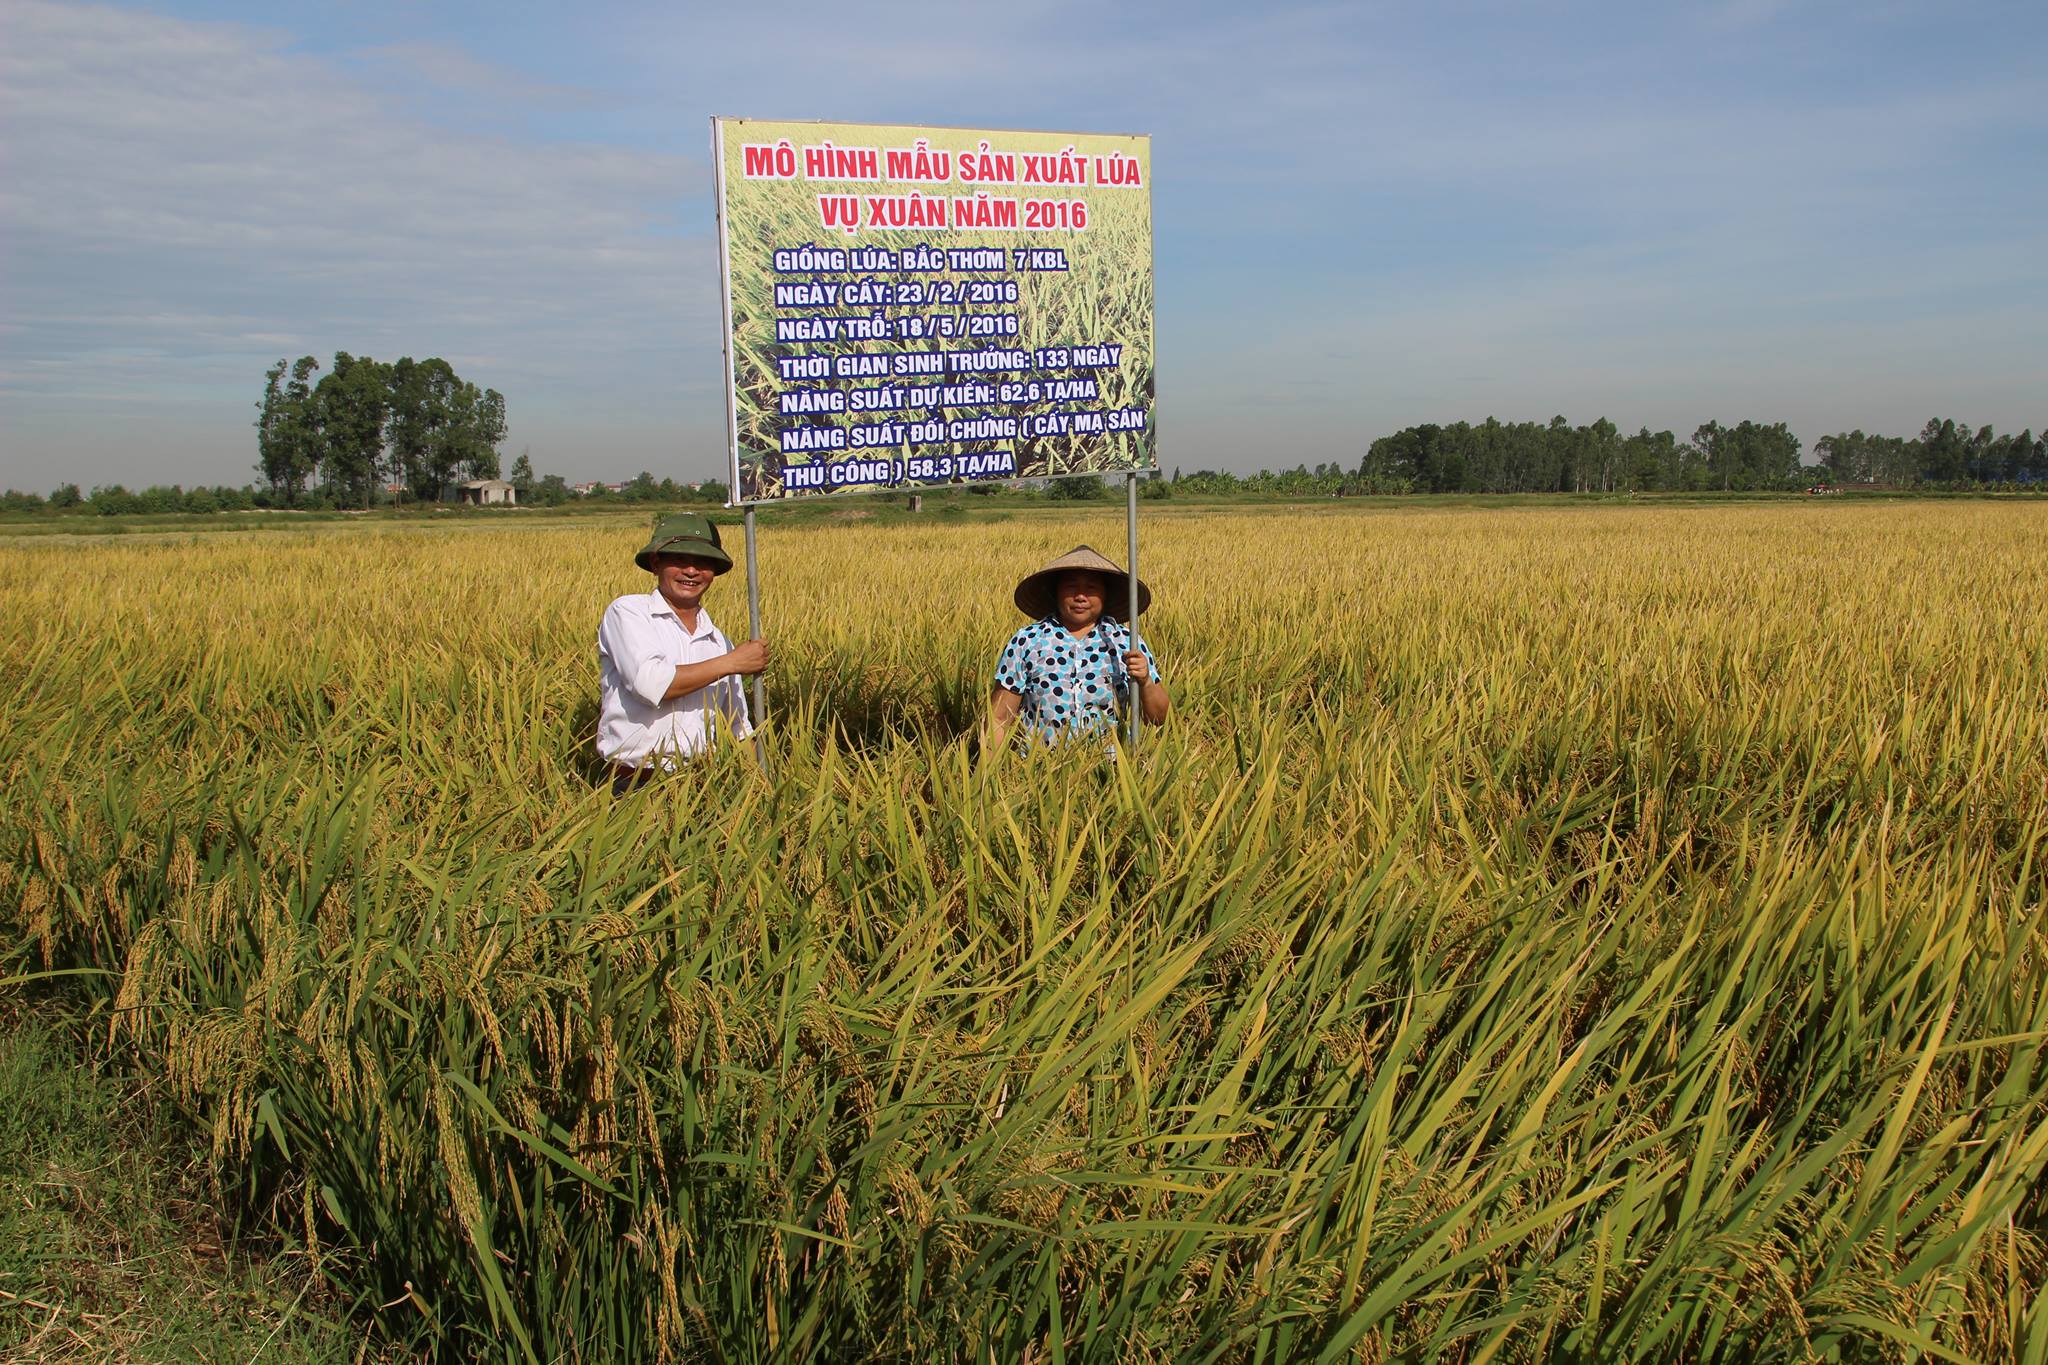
{"x":736,"y":491}
{"x":1131,"y":558}
{"x":754,"y":633}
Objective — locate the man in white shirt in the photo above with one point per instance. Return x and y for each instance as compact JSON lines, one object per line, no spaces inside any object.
{"x":668,"y":679}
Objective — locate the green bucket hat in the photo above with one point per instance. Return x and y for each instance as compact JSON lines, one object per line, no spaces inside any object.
{"x":685,"y":533}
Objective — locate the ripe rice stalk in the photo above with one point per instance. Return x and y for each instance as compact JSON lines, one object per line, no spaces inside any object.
{"x":1590,"y":933}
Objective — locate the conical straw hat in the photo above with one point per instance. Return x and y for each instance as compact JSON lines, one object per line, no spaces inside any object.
{"x":1034,"y":596}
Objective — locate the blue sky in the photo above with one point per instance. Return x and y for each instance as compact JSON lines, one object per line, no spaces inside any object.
{"x":1833,"y":215}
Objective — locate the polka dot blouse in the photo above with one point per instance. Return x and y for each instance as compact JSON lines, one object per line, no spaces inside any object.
{"x":1071,"y":685}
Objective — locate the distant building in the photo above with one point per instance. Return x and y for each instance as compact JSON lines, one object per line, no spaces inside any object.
{"x":584,"y":490}
{"x":488,"y":493}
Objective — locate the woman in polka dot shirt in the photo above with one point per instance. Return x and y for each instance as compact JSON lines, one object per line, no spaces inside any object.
{"x":1069,"y":670}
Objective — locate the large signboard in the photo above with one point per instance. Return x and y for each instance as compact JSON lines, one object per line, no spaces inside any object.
{"x":915,"y":306}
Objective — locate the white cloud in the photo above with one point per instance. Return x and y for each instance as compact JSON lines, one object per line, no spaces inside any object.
{"x":1385,"y":212}
{"x":183,"y":200}
{"x":444,"y":69}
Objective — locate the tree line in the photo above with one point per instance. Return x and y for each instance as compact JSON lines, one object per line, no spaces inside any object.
{"x":1557,"y":457}
{"x":1944,"y":453}
{"x":422,"y":426}
{"x":548,"y":490}
{"x":410,"y":422}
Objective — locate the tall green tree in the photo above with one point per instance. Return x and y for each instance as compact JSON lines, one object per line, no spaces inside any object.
{"x":1077,"y":488}
{"x":1408,"y":459}
{"x":269,"y":427}
{"x":287,"y":443}
{"x":1764,"y":456}
{"x":468,"y":447}
{"x":303,"y":436}
{"x":1650,"y":460}
{"x":1599,"y":451}
{"x":2019,"y":458}
{"x":487,"y":432}
{"x":1844,"y":455}
{"x":1944,"y":451}
{"x":422,"y":398}
{"x":350,"y":406}
{"x":416,"y":421}
{"x":1716,"y":455}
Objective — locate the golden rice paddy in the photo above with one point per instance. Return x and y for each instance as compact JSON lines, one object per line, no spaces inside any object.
{"x":1550,"y":933}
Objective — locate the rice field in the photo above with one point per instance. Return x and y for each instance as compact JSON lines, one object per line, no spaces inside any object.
{"x":1540,"y":934}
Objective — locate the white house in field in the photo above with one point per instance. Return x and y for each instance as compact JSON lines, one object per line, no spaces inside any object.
{"x":488,"y":493}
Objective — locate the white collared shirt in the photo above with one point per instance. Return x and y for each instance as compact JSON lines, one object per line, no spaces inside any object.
{"x":640,"y":644}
